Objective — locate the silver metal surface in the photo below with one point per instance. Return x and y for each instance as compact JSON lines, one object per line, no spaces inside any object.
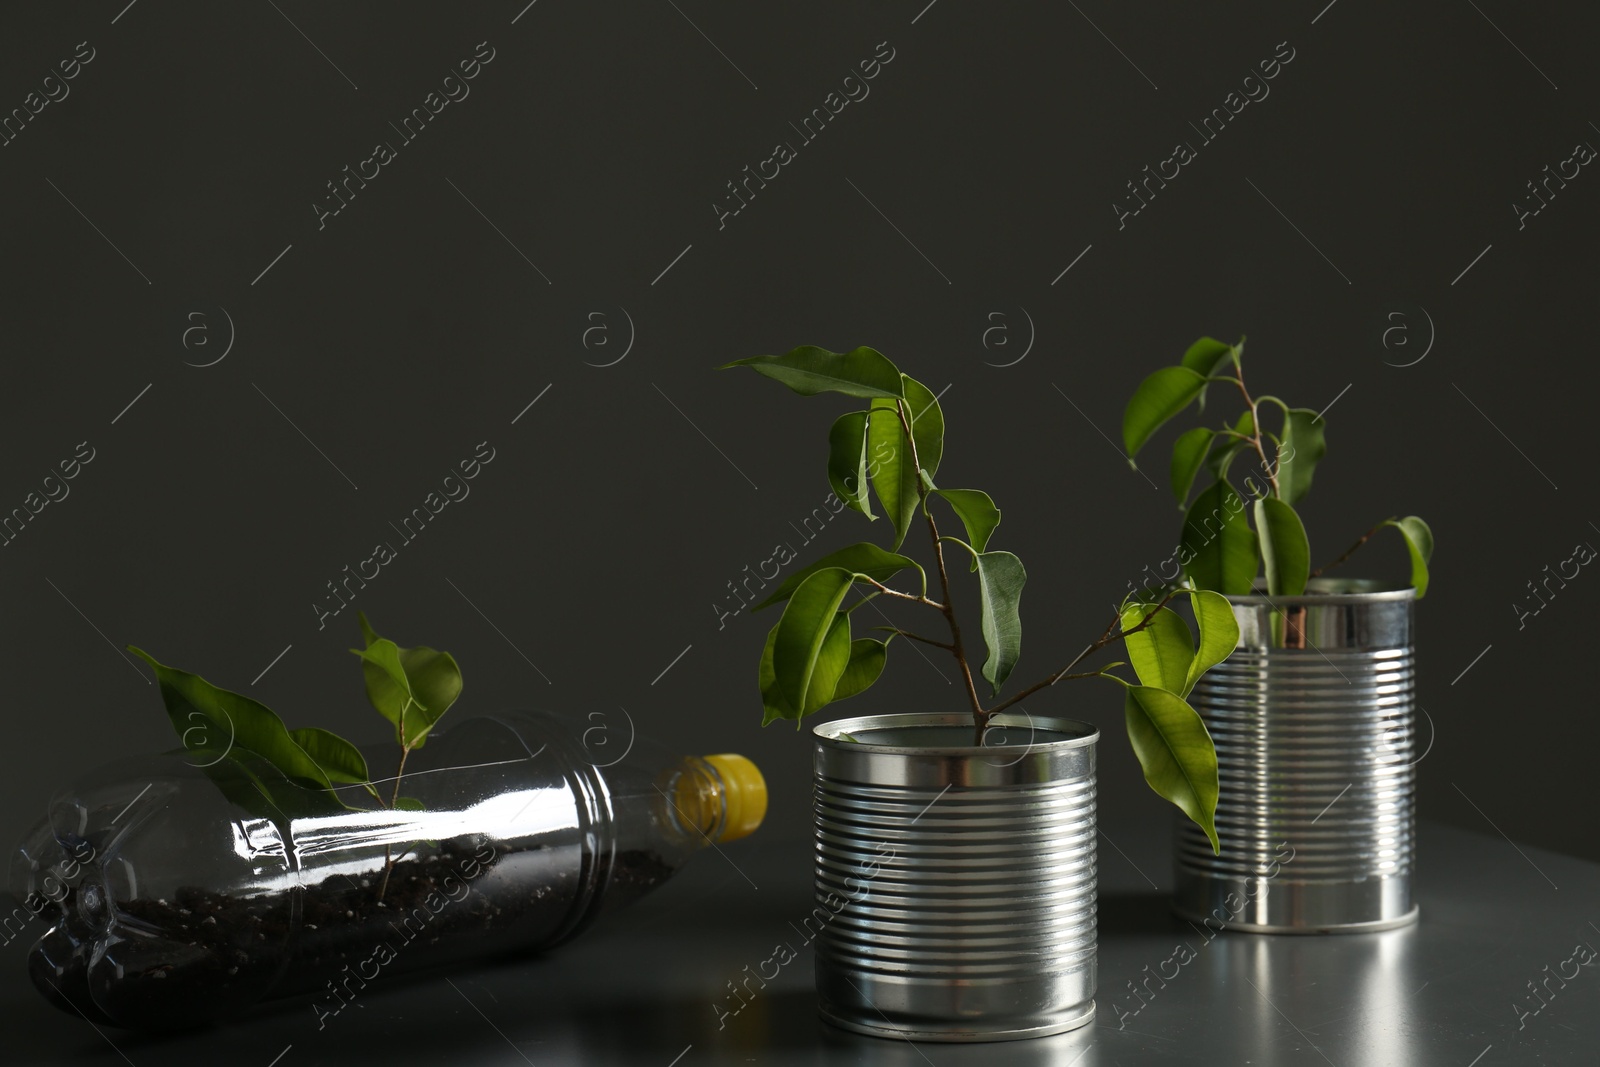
{"x":1313,"y":721}
{"x":955,"y":884}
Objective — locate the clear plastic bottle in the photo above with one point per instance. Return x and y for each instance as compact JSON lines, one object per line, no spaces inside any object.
{"x":167,"y":902}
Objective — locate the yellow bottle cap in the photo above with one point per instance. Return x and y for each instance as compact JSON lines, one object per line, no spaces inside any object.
{"x":744,"y":792}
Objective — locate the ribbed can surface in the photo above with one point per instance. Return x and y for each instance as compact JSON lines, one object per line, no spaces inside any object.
{"x":1313,"y":719}
{"x":955,"y":884}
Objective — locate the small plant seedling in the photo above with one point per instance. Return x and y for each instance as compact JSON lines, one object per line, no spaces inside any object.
{"x":891,"y":452}
{"x":1220,"y":550}
{"x":246,"y":748}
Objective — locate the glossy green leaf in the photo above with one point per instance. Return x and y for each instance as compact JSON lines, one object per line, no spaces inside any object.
{"x":1204,"y":355}
{"x":436,"y":682}
{"x":1218,"y":544}
{"x":1161,"y":652}
{"x":894,"y":476}
{"x":1285,"y":555}
{"x":1176,"y":752}
{"x":1219,"y":635}
{"x":977,"y":513}
{"x":802,"y":672}
{"x":260,"y":788}
{"x":864,"y":557}
{"x":409,"y":804}
{"x":776,"y":706}
{"x":411,"y":687}
{"x":217,"y":720}
{"x":773,"y":704}
{"x":847,"y":462}
{"x":339,"y":759}
{"x":867,"y":658}
{"x":388,"y":688}
{"x":927,"y":424}
{"x":809,"y":370}
{"x":1188,"y":452}
{"x":1419,"y":542}
{"x":1303,"y":448}
{"x":1158,"y":398}
{"x":1000,"y":580}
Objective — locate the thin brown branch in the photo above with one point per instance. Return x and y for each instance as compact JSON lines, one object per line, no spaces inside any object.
{"x":880,"y":587}
{"x":1255,"y":421}
{"x":917,"y":637}
{"x":1352,"y":549}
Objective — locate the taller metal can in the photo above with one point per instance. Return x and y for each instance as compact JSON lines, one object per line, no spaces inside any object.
{"x":1313,"y":717}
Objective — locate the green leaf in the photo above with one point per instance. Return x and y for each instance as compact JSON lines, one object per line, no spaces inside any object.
{"x":1204,"y":355}
{"x":927,"y":424}
{"x":339,"y":759}
{"x":773,"y":704}
{"x":1219,"y":634}
{"x":1303,"y":448}
{"x":1161,"y":652}
{"x":1219,"y":542}
{"x":867,"y":658}
{"x":1419,"y":542}
{"x":847,"y":461}
{"x":1158,"y":398}
{"x":260,"y":788}
{"x":411,"y":687}
{"x":863,"y":557}
{"x":1285,"y":555}
{"x":1000,"y":579}
{"x":217,"y":720}
{"x":977,"y":513}
{"x":388,"y":688}
{"x":807,"y":659}
{"x":894,"y":476}
{"x":1176,"y":752}
{"x":1188,"y":452}
{"x":1202,"y":358}
{"x":436,"y":682}
{"x":809,"y":370}
{"x":409,"y":804}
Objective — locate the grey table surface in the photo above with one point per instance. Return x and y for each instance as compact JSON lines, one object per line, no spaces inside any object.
{"x":651,"y":985}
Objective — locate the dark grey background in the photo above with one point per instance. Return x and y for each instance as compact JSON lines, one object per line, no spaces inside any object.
{"x":619,"y":505}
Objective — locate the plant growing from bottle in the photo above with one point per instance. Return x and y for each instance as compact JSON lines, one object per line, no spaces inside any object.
{"x":251,"y":754}
{"x":812,"y":659}
{"x":1220,"y":549}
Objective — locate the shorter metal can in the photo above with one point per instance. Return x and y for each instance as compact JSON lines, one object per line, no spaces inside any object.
{"x":955,"y":883}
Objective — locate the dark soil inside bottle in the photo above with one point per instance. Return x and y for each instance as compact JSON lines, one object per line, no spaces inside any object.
{"x":202,"y":955}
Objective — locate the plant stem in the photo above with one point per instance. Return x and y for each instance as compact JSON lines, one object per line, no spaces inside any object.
{"x":880,"y":587}
{"x":1255,"y":423}
{"x":388,"y":859}
{"x":1352,"y":549}
{"x":980,"y":718}
{"x":918,"y":637}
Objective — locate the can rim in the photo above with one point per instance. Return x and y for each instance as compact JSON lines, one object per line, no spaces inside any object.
{"x":1331,"y":591}
{"x":829,"y":733}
